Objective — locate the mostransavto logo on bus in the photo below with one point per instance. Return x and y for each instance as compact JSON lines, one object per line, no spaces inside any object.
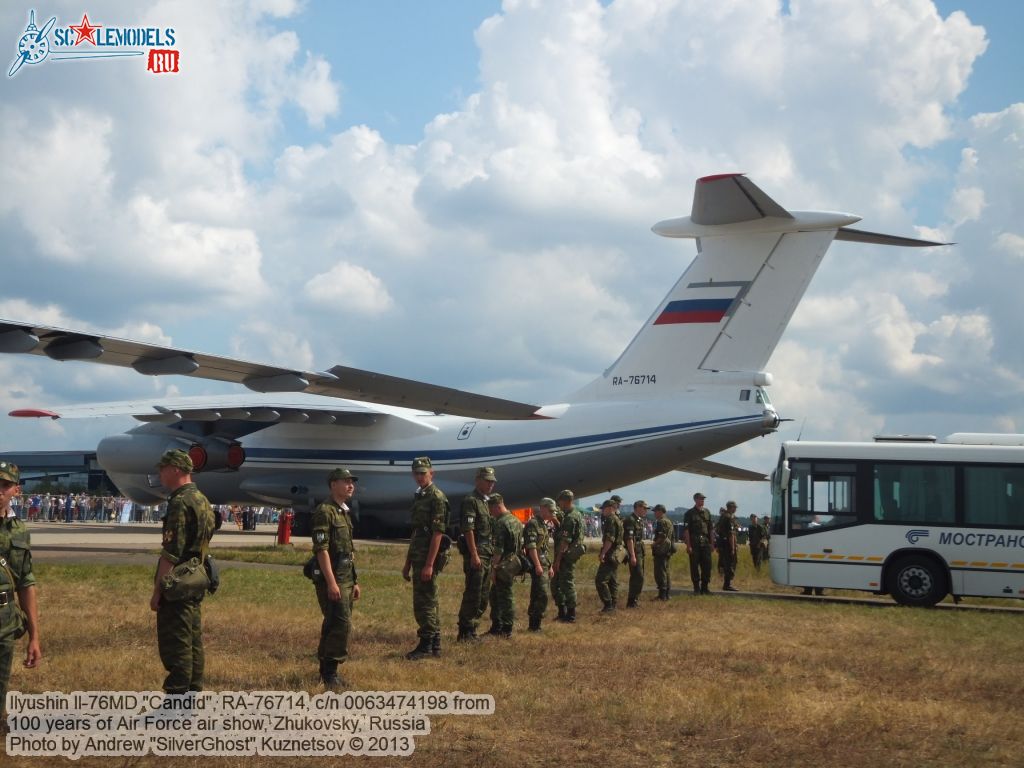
{"x":917,"y":534}
{"x":959,"y":539}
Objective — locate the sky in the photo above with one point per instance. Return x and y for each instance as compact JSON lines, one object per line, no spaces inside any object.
{"x":462,"y":193}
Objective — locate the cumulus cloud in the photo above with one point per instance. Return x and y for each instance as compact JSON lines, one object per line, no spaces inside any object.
{"x":350,"y":288}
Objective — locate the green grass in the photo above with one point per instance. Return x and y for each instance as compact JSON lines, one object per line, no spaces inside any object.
{"x":702,"y":681}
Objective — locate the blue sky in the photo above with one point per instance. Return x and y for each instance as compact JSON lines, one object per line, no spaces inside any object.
{"x":519,"y":151}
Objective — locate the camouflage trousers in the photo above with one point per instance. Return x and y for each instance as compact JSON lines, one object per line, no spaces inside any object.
{"x":538,"y":595}
{"x":179,"y":636}
{"x":700,"y":567}
{"x":607,"y":582}
{"x":337,"y":623}
{"x":503,"y":607}
{"x":727,"y":563}
{"x":6,"y":658}
{"x":757,"y":555}
{"x":661,"y":572}
{"x":636,"y":578}
{"x":475,"y":593}
{"x":424,"y":604}
{"x":564,"y":585}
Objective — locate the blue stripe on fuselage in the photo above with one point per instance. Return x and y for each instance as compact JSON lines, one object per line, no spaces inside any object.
{"x":507,"y":451}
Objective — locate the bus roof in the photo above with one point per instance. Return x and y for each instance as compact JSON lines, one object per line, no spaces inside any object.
{"x":909,"y":451}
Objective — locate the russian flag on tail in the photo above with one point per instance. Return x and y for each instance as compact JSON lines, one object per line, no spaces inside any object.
{"x":694,"y":311}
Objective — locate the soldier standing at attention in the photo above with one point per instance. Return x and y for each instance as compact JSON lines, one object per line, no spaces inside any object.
{"x":429,"y":520}
{"x":507,"y":536}
{"x":725,"y":531}
{"x":569,"y":547}
{"x":697,"y":535}
{"x":757,"y":538}
{"x":188,"y":527}
{"x":664,"y":534}
{"x":633,"y":537}
{"x":16,"y":578}
{"x":535,"y":542}
{"x":338,"y":585}
{"x":606,"y":580}
{"x":475,"y":546}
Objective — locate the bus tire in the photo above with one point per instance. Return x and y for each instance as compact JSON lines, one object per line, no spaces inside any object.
{"x":916,"y":581}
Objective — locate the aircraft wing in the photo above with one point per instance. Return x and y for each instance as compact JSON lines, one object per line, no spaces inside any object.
{"x":154,"y":360}
{"x":294,"y":409}
{"x":724,"y":471}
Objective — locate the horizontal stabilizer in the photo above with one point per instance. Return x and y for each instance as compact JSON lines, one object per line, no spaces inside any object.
{"x":731,"y":198}
{"x":724,"y":471}
{"x":876,"y":238}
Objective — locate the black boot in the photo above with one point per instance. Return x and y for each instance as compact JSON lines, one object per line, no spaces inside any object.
{"x":561,"y":613}
{"x":729,"y":587}
{"x":609,"y":607}
{"x":632,"y":604}
{"x":435,"y":645}
{"x":696,"y":589}
{"x":329,"y":675}
{"x":534,"y":624}
{"x":570,"y":614}
{"x":495,"y":628}
{"x":421,"y":651}
{"x":505,"y":632}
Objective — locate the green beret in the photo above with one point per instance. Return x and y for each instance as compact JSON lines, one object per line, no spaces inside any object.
{"x":616,"y":499}
{"x":494,"y":499}
{"x":566,"y":494}
{"x":661,"y":507}
{"x":421,"y":464}
{"x":487,"y":473}
{"x":641,"y":503}
{"x":607,"y":503}
{"x":10,"y":472}
{"x":176,"y":458}
{"x":549,"y":503}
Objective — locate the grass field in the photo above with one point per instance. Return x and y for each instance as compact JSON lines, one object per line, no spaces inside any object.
{"x":698,"y":681}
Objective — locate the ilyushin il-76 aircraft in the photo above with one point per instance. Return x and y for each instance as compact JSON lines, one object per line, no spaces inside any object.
{"x":691,"y":383}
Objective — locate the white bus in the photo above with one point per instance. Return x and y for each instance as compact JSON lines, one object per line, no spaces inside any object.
{"x":905,"y":516}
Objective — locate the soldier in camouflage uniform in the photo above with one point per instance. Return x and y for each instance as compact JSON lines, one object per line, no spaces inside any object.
{"x":507,"y":536}
{"x":429,"y":515}
{"x":607,"y":581}
{"x":569,"y":547}
{"x":475,"y":546}
{"x":757,"y":538}
{"x":535,"y":543}
{"x":664,"y":535}
{"x":16,"y":578}
{"x":725,"y":533}
{"x":697,"y":535}
{"x":338,"y":586}
{"x":633,"y":528}
{"x":187,"y":529}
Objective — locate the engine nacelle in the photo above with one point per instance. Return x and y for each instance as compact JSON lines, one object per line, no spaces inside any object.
{"x":214,"y":454}
{"x":136,"y":454}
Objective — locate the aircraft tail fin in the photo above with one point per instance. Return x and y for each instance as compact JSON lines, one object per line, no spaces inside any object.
{"x":727,"y":312}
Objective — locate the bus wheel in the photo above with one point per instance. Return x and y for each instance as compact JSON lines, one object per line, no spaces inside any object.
{"x":917,"y":581}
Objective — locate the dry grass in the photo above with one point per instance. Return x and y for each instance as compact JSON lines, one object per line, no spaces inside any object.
{"x":703,"y":681}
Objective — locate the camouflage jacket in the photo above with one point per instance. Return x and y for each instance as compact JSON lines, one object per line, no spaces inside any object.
{"x":332,"y":529}
{"x":611,"y":530}
{"x":15,"y":549}
{"x":188,"y":524}
{"x":698,"y":523}
{"x":663,"y":531}
{"x":757,"y":533}
{"x":633,"y":530}
{"x":474,"y":516}
{"x":535,"y":536}
{"x":429,"y":515}
{"x":570,"y":530}
{"x":507,"y":535}
{"x":725,"y":529}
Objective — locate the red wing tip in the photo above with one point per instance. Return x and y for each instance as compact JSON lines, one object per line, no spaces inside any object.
{"x":34,"y":413}
{"x":717,"y":176}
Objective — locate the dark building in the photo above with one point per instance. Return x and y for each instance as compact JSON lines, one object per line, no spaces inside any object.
{"x":64,"y":470}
